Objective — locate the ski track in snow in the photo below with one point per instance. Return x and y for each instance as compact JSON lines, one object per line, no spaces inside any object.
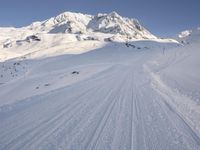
{"x":117,"y":109}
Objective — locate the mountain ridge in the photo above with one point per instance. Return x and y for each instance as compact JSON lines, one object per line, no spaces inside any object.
{"x":78,"y":23}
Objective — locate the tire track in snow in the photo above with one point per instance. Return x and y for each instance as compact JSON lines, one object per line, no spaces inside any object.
{"x":52,"y":118}
{"x":95,"y":137}
{"x":71,"y":88}
{"x":91,"y":106}
{"x":121,"y":137}
{"x":36,"y":131}
{"x":159,"y":124}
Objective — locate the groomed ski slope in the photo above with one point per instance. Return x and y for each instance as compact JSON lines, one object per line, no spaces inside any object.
{"x":122,"y":99}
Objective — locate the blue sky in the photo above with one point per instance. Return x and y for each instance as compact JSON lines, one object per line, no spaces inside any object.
{"x":161,"y":17}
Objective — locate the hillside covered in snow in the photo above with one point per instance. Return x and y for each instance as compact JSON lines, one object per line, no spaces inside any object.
{"x":84,"y":27}
{"x":83,"y":82}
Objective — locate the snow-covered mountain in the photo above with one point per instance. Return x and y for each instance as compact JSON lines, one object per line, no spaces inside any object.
{"x":111,"y":23}
{"x":189,"y":36}
{"x":52,"y":35}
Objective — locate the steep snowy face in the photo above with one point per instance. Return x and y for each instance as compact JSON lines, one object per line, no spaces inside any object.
{"x":111,"y":23}
{"x":115,"y":24}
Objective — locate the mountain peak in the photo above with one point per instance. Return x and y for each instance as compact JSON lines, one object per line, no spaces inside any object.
{"x":114,"y":14}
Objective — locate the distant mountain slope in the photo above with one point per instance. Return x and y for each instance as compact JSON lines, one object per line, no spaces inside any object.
{"x":189,"y":36}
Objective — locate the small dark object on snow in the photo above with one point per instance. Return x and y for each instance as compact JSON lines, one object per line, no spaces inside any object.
{"x":75,"y":72}
{"x":16,"y":63}
{"x":183,"y":42}
{"x":32,"y":38}
{"x":7,"y":45}
{"x":130,"y":45}
{"x":90,"y":38}
{"x":37,"y":87}
{"x":108,"y":40}
{"x":47,"y":84}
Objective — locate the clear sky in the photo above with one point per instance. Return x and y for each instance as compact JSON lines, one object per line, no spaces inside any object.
{"x":161,"y":17}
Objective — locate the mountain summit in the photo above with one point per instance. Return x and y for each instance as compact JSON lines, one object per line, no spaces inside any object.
{"x":78,"y":23}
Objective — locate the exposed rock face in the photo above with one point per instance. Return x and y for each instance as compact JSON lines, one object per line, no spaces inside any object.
{"x":7,"y":44}
{"x":32,"y":38}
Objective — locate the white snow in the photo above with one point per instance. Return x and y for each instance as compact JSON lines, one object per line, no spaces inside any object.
{"x":98,"y":90}
{"x":185,"y":34}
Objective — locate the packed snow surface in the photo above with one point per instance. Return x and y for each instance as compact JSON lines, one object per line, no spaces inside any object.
{"x":69,"y":91}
